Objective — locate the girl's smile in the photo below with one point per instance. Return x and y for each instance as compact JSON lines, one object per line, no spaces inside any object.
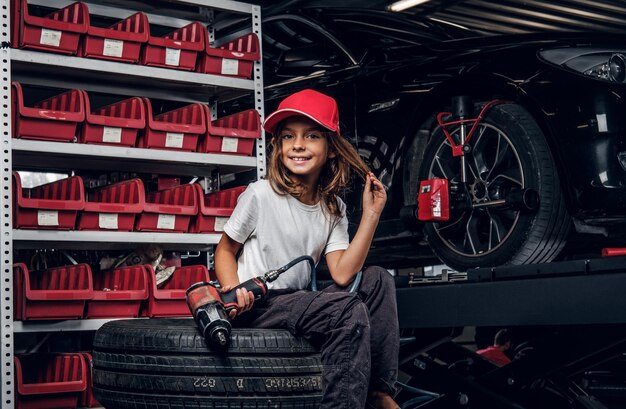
{"x":299,"y":158}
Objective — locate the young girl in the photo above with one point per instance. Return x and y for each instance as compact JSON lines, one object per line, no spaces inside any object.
{"x":295,"y":212}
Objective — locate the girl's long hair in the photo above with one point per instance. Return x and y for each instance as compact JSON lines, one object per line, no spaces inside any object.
{"x":335,"y":177}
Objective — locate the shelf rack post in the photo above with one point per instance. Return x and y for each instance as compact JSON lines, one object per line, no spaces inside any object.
{"x":6,"y":243}
{"x":257,"y":75}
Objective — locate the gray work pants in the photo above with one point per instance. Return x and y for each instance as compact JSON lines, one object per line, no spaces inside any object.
{"x":357,"y":332}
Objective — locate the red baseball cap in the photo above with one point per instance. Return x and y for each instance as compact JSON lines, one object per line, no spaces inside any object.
{"x":309,"y":103}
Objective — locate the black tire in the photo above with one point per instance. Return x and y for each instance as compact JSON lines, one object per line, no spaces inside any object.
{"x":166,"y":363}
{"x":509,"y":152}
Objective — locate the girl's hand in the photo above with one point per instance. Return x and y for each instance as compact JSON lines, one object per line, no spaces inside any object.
{"x":374,"y":195}
{"x":245,"y":300}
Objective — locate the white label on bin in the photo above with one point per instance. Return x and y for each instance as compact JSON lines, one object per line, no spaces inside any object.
{"x":166,"y":221}
{"x":230,"y":66}
{"x":219,"y":223}
{"x":174,"y":140}
{"x":113,"y":48}
{"x":112,"y":135}
{"x":47,"y":218}
{"x":107,"y":221}
{"x":50,"y":37}
{"x":229,"y":144}
{"x":172,"y":56}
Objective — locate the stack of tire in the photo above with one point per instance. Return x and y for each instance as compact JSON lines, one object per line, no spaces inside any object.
{"x":165,"y":363}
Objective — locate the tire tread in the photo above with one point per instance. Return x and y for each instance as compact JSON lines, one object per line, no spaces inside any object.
{"x":166,"y":364}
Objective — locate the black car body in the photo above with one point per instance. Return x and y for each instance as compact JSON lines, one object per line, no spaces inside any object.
{"x":392,"y":76}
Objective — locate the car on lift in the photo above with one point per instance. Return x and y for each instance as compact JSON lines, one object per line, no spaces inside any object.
{"x":545,"y":161}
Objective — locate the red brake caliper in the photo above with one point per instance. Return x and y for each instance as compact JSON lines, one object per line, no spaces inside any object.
{"x":433,"y":198}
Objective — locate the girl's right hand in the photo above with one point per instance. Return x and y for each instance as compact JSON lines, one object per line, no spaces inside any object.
{"x":245,"y":301}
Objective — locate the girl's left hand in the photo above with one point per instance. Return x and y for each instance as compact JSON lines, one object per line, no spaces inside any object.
{"x":245,"y":301}
{"x":374,"y":195}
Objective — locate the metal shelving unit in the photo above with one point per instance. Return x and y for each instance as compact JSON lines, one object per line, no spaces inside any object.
{"x":60,"y":326}
{"x":55,"y":70}
{"x":6,"y":244}
{"x":124,"y":79}
{"x":33,"y":239}
{"x":87,"y":156}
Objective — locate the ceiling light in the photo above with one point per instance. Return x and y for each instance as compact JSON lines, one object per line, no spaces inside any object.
{"x":405,"y":4}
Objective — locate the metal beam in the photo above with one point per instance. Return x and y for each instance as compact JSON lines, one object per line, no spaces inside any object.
{"x":586,"y":299}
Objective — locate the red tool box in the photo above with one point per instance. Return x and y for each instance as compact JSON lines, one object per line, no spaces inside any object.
{"x":235,"y":58}
{"x":52,"y":206}
{"x":233,"y":134}
{"x":86,"y":399}
{"x":51,"y":380}
{"x":54,"y":294}
{"x":121,"y":41}
{"x":170,"y":300}
{"x":113,"y":207}
{"x":178,"y":129}
{"x":53,"y":119}
{"x":118,"y":293}
{"x":169,"y":210}
{"x":58,"y":31}
{"x":177,"y":49}
{"x":117,"y":124}
{"x":214,"y":209}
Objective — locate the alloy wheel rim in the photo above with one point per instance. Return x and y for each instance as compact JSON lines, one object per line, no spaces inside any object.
{"x":493,"y":169}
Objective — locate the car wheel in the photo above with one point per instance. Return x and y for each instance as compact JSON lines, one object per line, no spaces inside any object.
{"x":509,"y":154}
{"x":165,"y":363}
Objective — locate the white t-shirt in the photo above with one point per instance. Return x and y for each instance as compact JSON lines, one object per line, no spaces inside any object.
{"x":276,"y":229}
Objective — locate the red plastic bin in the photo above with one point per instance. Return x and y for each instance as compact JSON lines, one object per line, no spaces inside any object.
{"x":87,"y":399}
{"x":117,"y":124}
{"x":50,"y":380}
{"x":118,"y":293}
{"x":58,"y":31}
{"x":215,"y":208}
{"x":53,"y":119}
{"x":233,"y":134}
{"x":234,"y":59}
{"x":113,"y":207}
{"x":170,"y":300}
{"x":54,"y":294}
{"x":178,"y":49}
{"x":52,"y":206}
{"x":178,"y":129}
{"x":169,"y":210}
{"x":120,"y":42}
